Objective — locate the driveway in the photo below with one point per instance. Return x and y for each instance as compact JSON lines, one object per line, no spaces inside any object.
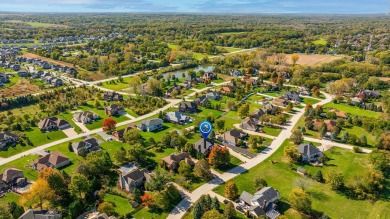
{"x":82,"y":126}
{"x":105,"y":136}
{"x":70,"y":132}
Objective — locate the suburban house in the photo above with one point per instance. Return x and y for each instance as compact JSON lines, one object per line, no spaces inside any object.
{"x":86,"y":146}
{"x":172,"y":161}
{"x":7,"y":139}
{"x":270,"y":109}
{"x":177,"y":118}
{"x":257,"y":115}
{"x":232,"y":136}
{"x":370,"y":94}
{"x":112,"y":96}
{"x":188,"y":107}
{"x":235,"y":73}
{"x":292,"y":96}
{"x":309,"y":152}
{"x":4,"y":78}
{"x":52,"y":123}
{"x":249,"y":124}
{"x":118,"y":135}
{"x":56,"y":82}
{"x":151,"y":125}
{"x":12,"y":177}
{"x":171,"y":89}
{"x":262,"y":202}
{"x":209,"y":76}
{"x":356,"y":100}
{"x":200,"y":100}
{"x":280,"y":101}
{"x":40,"y":214}
{"x":213,"y":95}
{"x":113,"y":110}
{"x":54,"y":159}
{"x":225,"y":90}
{"x":204,"y":146}
{"x":97,"y":215}
{"x":305,"y":91}
{"x":330,"y":125}
{"x":131,"y":177}
{"x":23,"y":73}
{"x":85,"y":117}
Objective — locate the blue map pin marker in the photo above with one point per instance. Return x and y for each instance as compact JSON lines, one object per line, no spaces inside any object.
{"x":205,"y":128}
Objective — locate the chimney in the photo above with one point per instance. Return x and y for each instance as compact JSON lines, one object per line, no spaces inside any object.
{"x":264,"y":205}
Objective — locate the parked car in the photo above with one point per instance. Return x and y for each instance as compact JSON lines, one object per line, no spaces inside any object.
{"x":225,"y":201}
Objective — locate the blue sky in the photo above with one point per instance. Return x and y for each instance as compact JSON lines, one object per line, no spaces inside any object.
{"x":200,"y":6}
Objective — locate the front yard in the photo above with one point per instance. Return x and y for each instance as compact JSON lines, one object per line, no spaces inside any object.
{"x":279,"y":175}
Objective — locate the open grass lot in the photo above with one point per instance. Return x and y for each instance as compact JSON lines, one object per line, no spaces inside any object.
{"x":122,"y":205}
{"x":307,"y":100}
{"x":36,"y":24}
{"x":117,"y":85}
{"x":334,"y":204}
{"x":229,"y":49}
{"x":234,"y":161}
{"x":144,"y":213}
{"x":113,"y":146}
{"x":359,"y":131}
{"x":320,"y":42}
{"x":21,"y":164}
{"x":313,"y":59}
{"x":353,"y":110}
{"x":10,"y":197}
{"x":271,"y":131}
{"x":173,"y":46}
{"x":231,"y":118}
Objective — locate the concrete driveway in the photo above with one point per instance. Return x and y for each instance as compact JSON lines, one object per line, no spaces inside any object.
{"x":70,"y":132}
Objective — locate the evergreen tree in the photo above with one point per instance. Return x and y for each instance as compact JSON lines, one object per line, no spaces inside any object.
{"x":197,"y":212}
{"x":318,"y":177}
{"x":215,"y":204}
{"x":229,"y":212}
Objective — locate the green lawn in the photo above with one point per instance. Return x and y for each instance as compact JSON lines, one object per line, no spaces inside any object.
{"x":117,"y":85}
{"x":359,"y":131}
{"x":38,"y":138}
{"x":122,"y":205}
{"x":9,"y":197}
{"x":353,"y":110}
{"x":320,"y":42}
{"x":173,"y":46}
{"x":280,"y":176}
{"x":271,"y":131}
{"x":232,"y":33}
{"x":188,"y":214}
{"x":307,"y":100}
{"x":34,"y":24}
{"x":146,"y":213}
{"x":21,"y":164}
{"x":229,"y":49}
{"x":234,"y":161}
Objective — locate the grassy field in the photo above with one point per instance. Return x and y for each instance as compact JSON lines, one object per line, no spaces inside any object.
{"x":307,"y":100}
{"x":233,"y":33}
{"x":353,"y":110}
{"x":280,"y":176}
{"x":271,"y":131}
{"x":229,"y":49}
{"x":117,"y":85}
{"x":122,"y":205}
{"x":36,"y":24}
{"x":320,"y":42}
{"x":234,"y":161}
{"x":10,"y":197}
{"x":188,"y":214}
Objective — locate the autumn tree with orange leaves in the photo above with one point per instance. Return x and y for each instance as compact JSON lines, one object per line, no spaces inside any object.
{"x":147,"y":200}
{"x":109,"y":125}
{"x":219,"y":156}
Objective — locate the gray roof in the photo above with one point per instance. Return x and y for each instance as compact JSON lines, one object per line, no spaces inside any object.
{"x":308,"y":149}
{"x":246,"y":197}
{"x":257,"y":210}
{"x":151,"y":122}
{"x":40,"y":214}
{"x":92,"y":143}
{"x":203,"y":145}
{"x":176,"y":116}
{"x":265,"y":194}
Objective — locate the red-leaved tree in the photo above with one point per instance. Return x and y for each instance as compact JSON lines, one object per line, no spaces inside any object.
{"x":109,"y":125}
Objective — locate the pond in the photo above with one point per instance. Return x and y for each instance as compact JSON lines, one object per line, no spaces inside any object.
{"x":179,"y":73}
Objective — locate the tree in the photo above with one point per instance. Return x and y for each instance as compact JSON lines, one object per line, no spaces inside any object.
{"x":147,"y":200}
{"x":318,"y":177}
{"x":297,"y":137}
{"x":260,"y":183}
{"x":202,"y":170}
{"x":294,"y":58}
{"x":79,"y":185}
{"x":215,"y":204}
{"x":184,"y":169}
{"x":197,"y":212}
{"x":97,"y":104}
{"x":243,"y":111}
{"x":363,"y":140}
{"x":40,"y":195}
{"x":231,"y":190}
{"x":76,"y":208}
{"x":107,"y":208}
{"x":323,"y":132}
{"x":219,"y":156}
{"x":220,"y":124}
{"x":109,"y":125}
{"x":15,"y":209}
{"x":5,"y":212}
{"x":379,"y":159}
{"x":300,"y":201}
{"x":132,"y":136}
{"x":137,"y":153}
{"x":212,"y":214}
{"x":157,"y":181}
{"x":336,"y":180}
{"x":292,"y":153}
{"x":229,"y":212}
